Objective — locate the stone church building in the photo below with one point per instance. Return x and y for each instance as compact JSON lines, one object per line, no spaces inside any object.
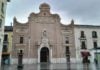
{"x":43,"y":38}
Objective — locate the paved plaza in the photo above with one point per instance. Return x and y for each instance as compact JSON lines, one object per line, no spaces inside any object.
{"x":45,"y":66}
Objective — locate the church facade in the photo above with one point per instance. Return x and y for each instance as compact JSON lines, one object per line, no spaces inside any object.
{"x":43,"y":38}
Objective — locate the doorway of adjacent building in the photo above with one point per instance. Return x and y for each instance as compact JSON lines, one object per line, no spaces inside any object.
{"x":44,"y":54}
{"x":97,"y":57}
{"x":5,"y":59}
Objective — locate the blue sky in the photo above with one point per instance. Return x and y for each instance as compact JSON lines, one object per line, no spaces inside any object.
{"x":82,"y":11}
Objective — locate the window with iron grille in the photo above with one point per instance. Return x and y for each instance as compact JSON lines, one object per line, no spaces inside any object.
{"x":2,"y":8}
{"x":0,"y":23}
{"x":83,"y":45}
{"x":21,"y":40}
{"x":67,"y":40}
{"x":67,"y":50}
{"x":5,"y":37}
{"x":94,"y":34}
{"x":82,"y":34}
{"x":95,"y":44}
{"x":5,"y":48}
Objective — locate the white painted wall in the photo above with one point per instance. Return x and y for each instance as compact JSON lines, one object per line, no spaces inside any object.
{"x":89,"y":40}
{"x":3,"y":22}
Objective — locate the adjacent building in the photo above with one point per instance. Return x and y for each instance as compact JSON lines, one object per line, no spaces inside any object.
{"x":7,"y":45}
{"x":3,"y":5}
{"x":87,"y":42}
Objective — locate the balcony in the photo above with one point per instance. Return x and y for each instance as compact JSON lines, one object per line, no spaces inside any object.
{"x":82,"y":38}
{"x":5,"y":42}
{"x":94,"y":37}
{"x":5,"y":53}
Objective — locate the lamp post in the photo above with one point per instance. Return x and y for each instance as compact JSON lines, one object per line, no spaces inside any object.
{"x":20,"y":59}
{"x":96,"y":58}
{"x":29,"y":51}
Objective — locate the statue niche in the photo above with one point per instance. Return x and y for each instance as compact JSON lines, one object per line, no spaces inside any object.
{"x":44,"y":37}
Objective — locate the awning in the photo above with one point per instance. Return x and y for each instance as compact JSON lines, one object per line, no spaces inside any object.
{"x":85,"y":53}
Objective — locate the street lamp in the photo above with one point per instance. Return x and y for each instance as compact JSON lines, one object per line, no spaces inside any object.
{"x":96,"y":58}
{"x":29,"y":50}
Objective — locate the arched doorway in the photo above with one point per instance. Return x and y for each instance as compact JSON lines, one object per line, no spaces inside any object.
{"x":44,"y":54}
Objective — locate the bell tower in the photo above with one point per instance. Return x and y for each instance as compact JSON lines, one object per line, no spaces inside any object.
{"x":44,"y":9}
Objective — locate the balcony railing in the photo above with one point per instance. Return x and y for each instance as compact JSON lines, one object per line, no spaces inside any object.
{"x":5,"y":42}
{"x":82,"y":38}
{"x":94,"y":37}
{"x":5,"y":53}
{"x":83,"y":47}
{"x":5,"y":50}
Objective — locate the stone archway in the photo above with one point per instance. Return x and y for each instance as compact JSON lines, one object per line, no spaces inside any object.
{"x":44,"y":54}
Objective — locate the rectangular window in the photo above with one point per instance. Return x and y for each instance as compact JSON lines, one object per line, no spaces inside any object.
{"x":5,"y":49}
{"x":95,"y":44}
{"x":67,"y":40}
{"x":67,"y":50}
{"x":5,"y":37}
{"x":2,"y":8}
{"x":83,"y":45}
{"x":0,"y":23}
{"x":82,"y":34}
{"x":21,"y":40}
{"x":94,"y":34}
